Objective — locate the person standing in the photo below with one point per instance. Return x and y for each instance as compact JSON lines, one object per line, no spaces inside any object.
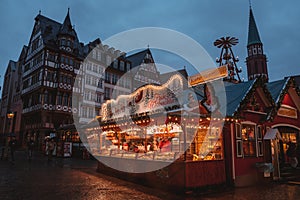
{"x":30,"y":147}
{"x":292,"y":154}
{"x":51,"y":148}
{"x":12,"y":146}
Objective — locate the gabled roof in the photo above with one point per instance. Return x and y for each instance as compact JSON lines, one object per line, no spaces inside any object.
{"x":166,"y":76}
{"x":253,"y":35}
{"x":236,"y":94}
{"x":138,"y":58}
{"x":49,"y":28}
{"x":12,"y":66}
{"x":277,"y":87}
{"x":281,"y":87}
{"x":23,"y":53}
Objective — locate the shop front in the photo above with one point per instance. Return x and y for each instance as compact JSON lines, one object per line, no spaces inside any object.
{"x":248,"y":105}
{"x":68,"y":142}
{"x":286,"y":120}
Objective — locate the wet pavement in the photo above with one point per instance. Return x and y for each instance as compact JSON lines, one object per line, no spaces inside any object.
{"x":74,"y":178}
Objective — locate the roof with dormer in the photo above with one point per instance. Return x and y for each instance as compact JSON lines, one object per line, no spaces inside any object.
{"x":50,"y":30}
{"x":67,"y":28}
{"x":137,"y":59}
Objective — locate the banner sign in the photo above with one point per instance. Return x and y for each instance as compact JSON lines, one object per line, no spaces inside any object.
{"x":208,"y":75}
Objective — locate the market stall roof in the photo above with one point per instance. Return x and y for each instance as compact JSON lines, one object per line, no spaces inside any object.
{"x":276,"y":88}
{"x":235,"y":95}
{"x":272,"y":134}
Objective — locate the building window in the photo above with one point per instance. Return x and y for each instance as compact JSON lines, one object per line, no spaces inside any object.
{"x":254,"y":51}
{"x":59,"y":99}
{"x":94,"y":81}
{"x":107,"y":77}
{"x":238,"y":131}
{"x":95,"y":68}
{"x":46,"y":97}
{"x":114,"y":79}
{"x":86,"y":96}
{"x":259,"y":50}
{"x":89,"y":66}
{"x":84,"y":112}
{"x":259,"y":141}
{"x":88,"y":80}
{"x":66,"y":99}
{"x":35,"y":44}
{"x":127,"y":66}
{"x":91,"y":113}
{"x":122,"y":65}
{"x":51,"y":57}
{"x":98,"y":100}
{"x":239,"y":142}
{"x":69,"y":43}
{"x":100,"y":83}
{"x":115,"y":64}
{"x":27,"y":67}
{"x":249,"y":140}
{"x":108,"y":60}
{"x":106,"y":93}
{"x":98,"y":55}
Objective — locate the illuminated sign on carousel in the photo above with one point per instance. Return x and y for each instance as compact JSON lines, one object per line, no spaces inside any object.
{"x":147,"y":99}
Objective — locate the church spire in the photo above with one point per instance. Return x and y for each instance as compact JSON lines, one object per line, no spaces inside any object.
{"x":256,"y":60}
{"x":253,"y":35}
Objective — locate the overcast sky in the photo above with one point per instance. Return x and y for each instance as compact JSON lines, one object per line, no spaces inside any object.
{"x":203,"y":20}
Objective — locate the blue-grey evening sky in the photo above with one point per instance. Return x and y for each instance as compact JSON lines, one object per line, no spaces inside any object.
{"x":203,"y":20}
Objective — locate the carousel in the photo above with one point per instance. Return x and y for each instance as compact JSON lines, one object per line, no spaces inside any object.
{"x":165,"y":135}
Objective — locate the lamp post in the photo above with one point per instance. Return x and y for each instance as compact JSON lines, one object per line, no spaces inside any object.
{"x":10,"y":115}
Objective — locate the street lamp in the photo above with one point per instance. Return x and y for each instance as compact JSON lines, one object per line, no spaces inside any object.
{"x":10,"y":115}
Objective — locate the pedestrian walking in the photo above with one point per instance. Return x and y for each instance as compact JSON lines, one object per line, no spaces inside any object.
{"x":30,"y":147}
{"x":2,"y":149}
{"x":12,"y":146}
{"x":292,"y":154}
{"x":50,"y":147}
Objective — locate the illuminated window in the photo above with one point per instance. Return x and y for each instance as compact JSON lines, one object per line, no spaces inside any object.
{"x":249,"y":140}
